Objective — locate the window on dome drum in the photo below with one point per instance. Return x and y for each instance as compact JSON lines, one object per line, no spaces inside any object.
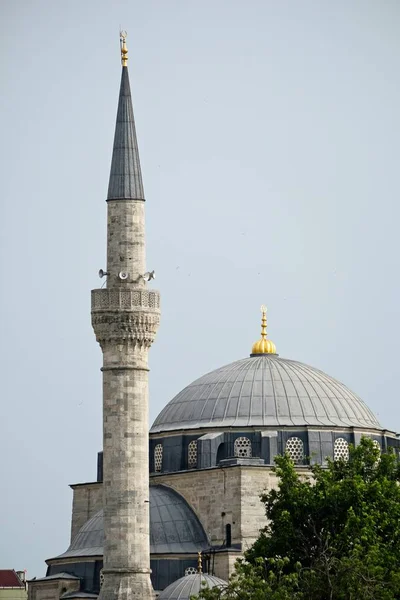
{"x":295,"y":449}
{"x":242,"y":447}
{"x":158,"y":452}
{"x":192,"y":454}
{"x":341,"y":449}
{"x":191,"y":571}
{"x":376,"y":444}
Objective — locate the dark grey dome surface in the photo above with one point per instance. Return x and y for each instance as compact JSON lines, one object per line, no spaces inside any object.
{"x":188,"y":586}
{"x":266,"y":391}
{"x":174,"y":528}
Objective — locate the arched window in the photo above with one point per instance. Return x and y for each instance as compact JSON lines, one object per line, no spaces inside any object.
{"x":220,"y":453}
{"x":242,"y":447}
{"x":341,"y":449}
{"x":191,"y":571}
{"x":192,"y":454}
{"x":295,"y":449}
{"x":101,"y":577}
{"x":158,"y":452}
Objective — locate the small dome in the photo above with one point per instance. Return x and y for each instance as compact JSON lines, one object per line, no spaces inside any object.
{"x":190,"y":585}
{"x":263,"y":346}
{"x":264,"y":391}
{"x":174,"y":528}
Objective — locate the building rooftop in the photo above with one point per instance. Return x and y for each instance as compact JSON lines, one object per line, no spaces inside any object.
{"x":56,"y":576}
{"x":9,"y":578}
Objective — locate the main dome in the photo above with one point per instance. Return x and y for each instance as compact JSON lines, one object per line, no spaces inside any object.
{"x":264,"y":391}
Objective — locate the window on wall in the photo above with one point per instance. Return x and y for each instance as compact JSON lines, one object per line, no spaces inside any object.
{"x":295,"y":449}
{"x":341,"y":449}
{"x":242,"y":447}
{"x":158,"y":452}
{"x":228,"y":535}
{"x":192,"y":454}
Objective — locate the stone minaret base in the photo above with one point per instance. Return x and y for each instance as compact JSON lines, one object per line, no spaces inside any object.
{"x":125,"y":586}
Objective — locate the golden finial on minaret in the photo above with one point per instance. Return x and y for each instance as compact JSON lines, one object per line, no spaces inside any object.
{"x":263,"y":346}
{"x":199,"y":563}
{"x":124,"y":49}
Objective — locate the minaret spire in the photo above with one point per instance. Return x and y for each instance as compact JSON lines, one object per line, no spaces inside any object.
{"x":125,"y":176}
{"x":125,"y":318}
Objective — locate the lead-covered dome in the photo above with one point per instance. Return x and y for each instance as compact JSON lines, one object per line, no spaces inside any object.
{"x":190,"y":585}
{"x":264,"y":391}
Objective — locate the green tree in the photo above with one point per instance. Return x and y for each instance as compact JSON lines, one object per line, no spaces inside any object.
{"x":334,"y":536}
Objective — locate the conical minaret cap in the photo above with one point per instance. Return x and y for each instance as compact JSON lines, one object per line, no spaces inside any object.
{"x":263,"y":345}
{"x":125,"y":176}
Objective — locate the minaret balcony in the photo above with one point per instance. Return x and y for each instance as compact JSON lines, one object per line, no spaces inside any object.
{"x":125,"y":300}
{"x":125,"y":316}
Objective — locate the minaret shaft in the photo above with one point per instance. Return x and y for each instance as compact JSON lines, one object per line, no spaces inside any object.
{"x":126,"y":250}
{"x":125,"y":318}
{"x":126,"y":472}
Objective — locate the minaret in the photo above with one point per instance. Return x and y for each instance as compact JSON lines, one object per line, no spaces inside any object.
{"x":125,"y":318}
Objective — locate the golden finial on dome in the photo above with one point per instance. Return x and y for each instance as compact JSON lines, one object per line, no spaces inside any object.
{"x":263,"y":346}
{"x":124,"y":49}
{"x":199,"y":563}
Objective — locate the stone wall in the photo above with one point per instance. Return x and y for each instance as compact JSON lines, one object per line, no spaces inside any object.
{"x":224,"y":564}
{"x":87,"y":501}
{"x":51,"y":590}
{"x":221,"y":496}
{"x":213,"y":494}
{"x":254,"y":481}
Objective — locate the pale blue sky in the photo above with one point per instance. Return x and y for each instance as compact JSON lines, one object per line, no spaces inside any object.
{"x":269,"y":140}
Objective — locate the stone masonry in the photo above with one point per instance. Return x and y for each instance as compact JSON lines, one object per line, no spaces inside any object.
{"x":125,"y":318}
{"x":87,"y":501}
{"x":221,"y":496}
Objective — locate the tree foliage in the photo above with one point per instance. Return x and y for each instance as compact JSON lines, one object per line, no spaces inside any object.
{"x":333,"y":536}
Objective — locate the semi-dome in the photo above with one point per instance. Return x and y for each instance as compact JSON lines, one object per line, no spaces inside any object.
{"x":264,"y":391}
{"x":174,"y":528}
{"x":190,"y":585}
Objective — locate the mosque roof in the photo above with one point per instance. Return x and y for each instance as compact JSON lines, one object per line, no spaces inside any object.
{"x":185,"y":587}
{"x":61,"y":575}
{"x":174,"y":528}
{"x":265,"y":390}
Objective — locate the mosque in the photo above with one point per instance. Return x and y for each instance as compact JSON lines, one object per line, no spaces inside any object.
{"x":210,"y":451}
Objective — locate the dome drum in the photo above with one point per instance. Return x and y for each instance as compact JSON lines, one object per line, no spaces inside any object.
{"x":257,"y":448}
